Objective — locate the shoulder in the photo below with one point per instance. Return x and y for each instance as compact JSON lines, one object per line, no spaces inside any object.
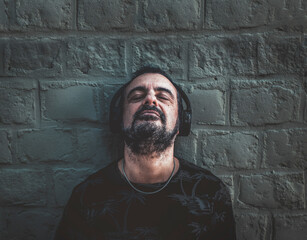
{"x":206,"y":181}
{"x":97,"y":180}
{"x":192,"y":171}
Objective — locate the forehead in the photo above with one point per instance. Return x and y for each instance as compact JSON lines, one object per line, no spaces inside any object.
{"x":151,"y":81}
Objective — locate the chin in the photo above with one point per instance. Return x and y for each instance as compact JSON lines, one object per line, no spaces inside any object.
{"x":151,"y":120}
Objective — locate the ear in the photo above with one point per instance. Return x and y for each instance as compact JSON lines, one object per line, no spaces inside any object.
{"x":185,"y":125}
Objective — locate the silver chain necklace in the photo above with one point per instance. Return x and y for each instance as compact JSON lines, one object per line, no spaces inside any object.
{"x":140,"y":191}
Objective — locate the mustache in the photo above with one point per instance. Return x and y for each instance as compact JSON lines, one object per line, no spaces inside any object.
{"x":139,"y":112}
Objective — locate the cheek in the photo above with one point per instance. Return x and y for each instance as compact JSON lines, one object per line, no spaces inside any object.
{"x":128,"y":115}
{"x":173,"y":115}
{"x":126,"y":118}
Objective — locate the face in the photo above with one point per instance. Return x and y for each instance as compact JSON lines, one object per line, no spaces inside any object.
{"x":150,"y":98}
{"x":150,"y":115}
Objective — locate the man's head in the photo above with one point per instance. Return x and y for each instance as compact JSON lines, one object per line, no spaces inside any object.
{"x":150,"y":113}
{"x":150,"y":91}
{"x":152,"y":70}
{"x":150,"y":101}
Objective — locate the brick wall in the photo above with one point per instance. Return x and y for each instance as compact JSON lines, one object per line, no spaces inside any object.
{"x":242,"y":63}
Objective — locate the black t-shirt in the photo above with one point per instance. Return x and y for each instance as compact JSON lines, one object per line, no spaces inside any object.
{"x":194,"y":205}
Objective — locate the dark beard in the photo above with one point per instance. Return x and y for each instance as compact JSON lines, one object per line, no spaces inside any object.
{"x":146,"y":137}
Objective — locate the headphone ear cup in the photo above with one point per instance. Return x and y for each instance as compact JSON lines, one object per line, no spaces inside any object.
{"x":115,"y":119}
{"x":185,"y":123}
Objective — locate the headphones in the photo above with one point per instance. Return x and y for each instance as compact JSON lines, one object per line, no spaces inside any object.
{"x":116,"y":115}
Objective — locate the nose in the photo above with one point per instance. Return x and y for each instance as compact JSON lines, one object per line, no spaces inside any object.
{"x":150,"y":99}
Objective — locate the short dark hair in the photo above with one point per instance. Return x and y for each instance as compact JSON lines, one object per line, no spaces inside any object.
{"x":152,"y":69}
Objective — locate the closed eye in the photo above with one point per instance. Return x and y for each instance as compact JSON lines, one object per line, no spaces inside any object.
{"x":137,"y":97}
{"x":163,"y":96}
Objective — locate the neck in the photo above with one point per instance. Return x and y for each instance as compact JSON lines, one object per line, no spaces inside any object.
{"x":151,"y":168}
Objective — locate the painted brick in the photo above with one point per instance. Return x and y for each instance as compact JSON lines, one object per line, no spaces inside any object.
{"x":65,"y":179}
{"x":35,"y":57}
{"x":17,"y":102}
{"x":96,"y":56}
{"x":263,"y":102}
{"x":246,"y":14}
{"x":32,"y":224}
{"x":235,"y":14}
{"x":23,"y":186}
{"x":71,"y":101}
{"x":185,"y":147}
{"x":280,"y":54}
{"x":208,"y":105}
{"x":161,"y":15}
{"x":169,"y":54}
{"x":273,"y":190}
{"x":53,"y":14}
{"x":221,"y":55}
{"x":286,"y":149}
{"x":4,"y":15}
{"x":290,"y":227}
{"x":228,"y":181}
{"x":5,"y":147}
{"x":252,"y":226}
{"x":98,"y":147}
{"x":288,"y":13}
{"x":238,"y":150}
{"x":106,"y":14}
{"x":45,"y":145}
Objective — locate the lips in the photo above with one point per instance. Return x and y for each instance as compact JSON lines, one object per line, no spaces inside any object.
{"x":150,"y":112}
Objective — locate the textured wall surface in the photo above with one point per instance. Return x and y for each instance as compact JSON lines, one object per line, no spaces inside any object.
{"x":243,"y":64}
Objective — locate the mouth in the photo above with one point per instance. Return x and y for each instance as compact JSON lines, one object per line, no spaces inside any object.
{"x":150,"y":113}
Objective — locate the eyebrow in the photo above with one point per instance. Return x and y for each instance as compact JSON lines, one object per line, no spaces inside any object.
{"x":143,"y":89}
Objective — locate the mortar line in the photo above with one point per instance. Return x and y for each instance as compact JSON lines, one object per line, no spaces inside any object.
{"x":227,"y":103}
{"x":236,"y":186}
{"x":305,"y":194}
{"x":76,"y":14}
{"x":203,"y":13}
{"x":303,"y":92}
{"x":257,"y":55}
{"x":128,"y":57}
{"x":39,"y":108}
{"x":260,"y":161}
{"x":187,"y":68}
{"x":229,"y":99}
{"x":111,"y":33}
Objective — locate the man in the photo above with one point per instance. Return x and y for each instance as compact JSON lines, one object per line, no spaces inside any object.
{"x":149,"y":193}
